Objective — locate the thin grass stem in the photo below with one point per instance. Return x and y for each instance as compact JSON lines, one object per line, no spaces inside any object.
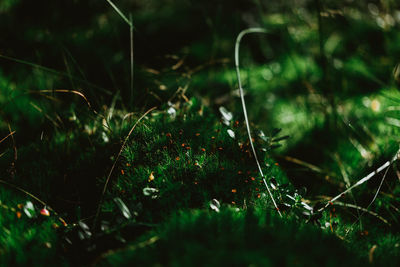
{"x":120,"y":13}
{"x":237,"y":46}
{"x":131,"y":46}
{"x":115,"y":163}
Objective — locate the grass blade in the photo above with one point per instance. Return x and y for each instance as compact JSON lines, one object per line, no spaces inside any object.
{"x":120,"y":13}
{"x":237,"y":46}
{"x":115,"y":163}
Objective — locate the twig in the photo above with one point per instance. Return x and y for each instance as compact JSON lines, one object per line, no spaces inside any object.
{"x":371,"y":253}
{"x":363,"y":180}
{"x":237,"y":45}
{"x":8,"y":135}
{"x":69,"y":92}
{"x":115,"y":163}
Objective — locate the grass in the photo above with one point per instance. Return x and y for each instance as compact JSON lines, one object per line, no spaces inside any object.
{"x":179,"y":184}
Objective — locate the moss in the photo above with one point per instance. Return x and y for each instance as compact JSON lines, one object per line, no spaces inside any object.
{"x":234,"y":238}
{"x":189,"y":160}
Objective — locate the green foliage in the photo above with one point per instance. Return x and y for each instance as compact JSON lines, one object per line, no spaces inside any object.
{"x":326,"y":73}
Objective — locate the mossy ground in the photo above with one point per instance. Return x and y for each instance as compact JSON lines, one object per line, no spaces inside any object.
{"x":185,"y":188}
{"x":173,"y":167}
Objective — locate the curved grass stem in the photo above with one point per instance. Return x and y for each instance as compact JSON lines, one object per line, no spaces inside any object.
{"x":115,"y":163}
{"x":237,"y":46}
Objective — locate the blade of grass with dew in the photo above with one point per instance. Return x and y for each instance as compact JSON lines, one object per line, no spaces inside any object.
{"x":237,"y":46}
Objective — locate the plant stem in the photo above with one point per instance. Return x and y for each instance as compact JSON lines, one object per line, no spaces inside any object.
{"x":115,"y":163}
{"x":237,"y":46}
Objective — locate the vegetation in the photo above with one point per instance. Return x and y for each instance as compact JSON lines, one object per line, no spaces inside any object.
{"x":123,"y":138}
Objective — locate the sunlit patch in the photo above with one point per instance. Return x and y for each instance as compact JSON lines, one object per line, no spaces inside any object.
{"x":375,"y":105}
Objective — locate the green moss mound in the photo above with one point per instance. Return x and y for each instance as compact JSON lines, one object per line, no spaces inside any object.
{"x":185,"y":160}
